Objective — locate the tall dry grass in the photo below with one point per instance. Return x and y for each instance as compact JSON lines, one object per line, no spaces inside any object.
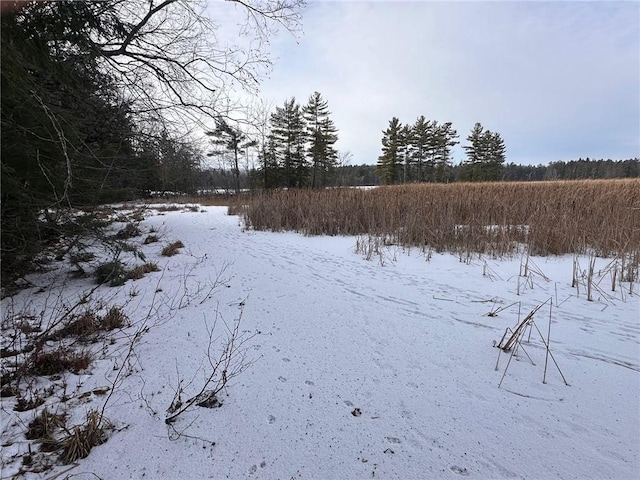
{"x":601,"y":216}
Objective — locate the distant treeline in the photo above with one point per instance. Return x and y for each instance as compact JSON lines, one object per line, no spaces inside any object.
{"x":574,"y":170}
{"x":365,"y":175}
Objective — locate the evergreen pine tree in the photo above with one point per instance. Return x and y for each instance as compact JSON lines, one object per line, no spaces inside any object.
{"x":289,"y":137}
{"x":406,"y":153}
{"x":421,"y":143}
{"x":445,"y":138}
{"x":495,"y":156}
{"x":388,"y":168}
{"x":269,"y":168}
{"x":469,"y":168}
{"x":322,"y":134}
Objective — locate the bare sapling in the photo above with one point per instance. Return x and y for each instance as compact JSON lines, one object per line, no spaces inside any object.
{"x":223,"y":367}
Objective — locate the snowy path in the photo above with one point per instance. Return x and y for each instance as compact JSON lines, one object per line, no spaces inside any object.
{"x":408,"y":344}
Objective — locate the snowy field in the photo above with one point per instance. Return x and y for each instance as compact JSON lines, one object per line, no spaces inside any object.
{"x":381,"y":368}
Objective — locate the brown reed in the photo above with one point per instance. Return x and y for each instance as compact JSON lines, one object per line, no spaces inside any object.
{"x":550,"y":218}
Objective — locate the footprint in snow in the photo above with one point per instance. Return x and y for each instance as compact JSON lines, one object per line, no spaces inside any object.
{"x":459,"y":470}
{"x":282,"y":379}
{"x":348,"y":403}
{"x":308,"y":382}
{"x":254,"y":468}
{"x":285,"y":359}
{"x":272,"y":419}
{"x":393,"y":439}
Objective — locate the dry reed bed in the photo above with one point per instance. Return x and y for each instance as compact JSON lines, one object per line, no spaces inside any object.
{"x":596,"y":216}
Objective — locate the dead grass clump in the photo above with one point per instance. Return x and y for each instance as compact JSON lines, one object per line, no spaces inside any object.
{"x":151,"y":239}
{"x":82,"y":324}
{"x":141,"y":270}
{"x":28,"y":323}
{"x":82,"y":438}
{"x":88,"y":323}
{"x":114,"y":318}
{"x":130,"y":230}
{"x":7,"y":390}
{"x":172,"y":249}
{"x":58,"y":361}
{"x":45,"y":425}
{"x":24,"y":404}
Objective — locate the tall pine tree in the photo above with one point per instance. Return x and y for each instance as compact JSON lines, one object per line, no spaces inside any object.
{"x":388,"y":168}
{"x":495,"y":156}
{"x":445,"y":137}
{"x":406,"y":152}
{"x":322,"y":134}
{"x":288,"y":135}
{"x":421,"y":142}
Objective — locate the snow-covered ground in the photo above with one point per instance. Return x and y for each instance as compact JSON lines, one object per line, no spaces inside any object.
{"x":359,"y":369}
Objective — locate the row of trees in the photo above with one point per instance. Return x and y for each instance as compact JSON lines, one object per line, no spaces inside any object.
{"x":416,"y":153}
{"x":486,"y":153}
{"x":422,"y":153}
{"x":583,"y":168}
{"x":290,"y":146}
{"x":365,"y":175}
{"x":299,"y":149}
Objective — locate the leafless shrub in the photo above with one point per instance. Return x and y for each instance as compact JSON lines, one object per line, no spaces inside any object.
{"x":230,"y":362}
{"x":172,"y":249}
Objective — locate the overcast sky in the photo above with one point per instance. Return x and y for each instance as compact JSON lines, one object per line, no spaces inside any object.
{"x":558,"y":80}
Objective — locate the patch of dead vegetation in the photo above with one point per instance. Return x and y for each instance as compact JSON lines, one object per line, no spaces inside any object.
{"x":172,"y":249}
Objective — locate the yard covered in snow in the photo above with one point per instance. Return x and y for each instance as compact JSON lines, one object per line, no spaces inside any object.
{"x":380,"y":368}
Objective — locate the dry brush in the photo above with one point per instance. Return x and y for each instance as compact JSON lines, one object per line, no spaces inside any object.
{"x":550,"y":218}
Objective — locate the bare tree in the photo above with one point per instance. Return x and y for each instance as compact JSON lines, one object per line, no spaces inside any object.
{"x":171,"y":62}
